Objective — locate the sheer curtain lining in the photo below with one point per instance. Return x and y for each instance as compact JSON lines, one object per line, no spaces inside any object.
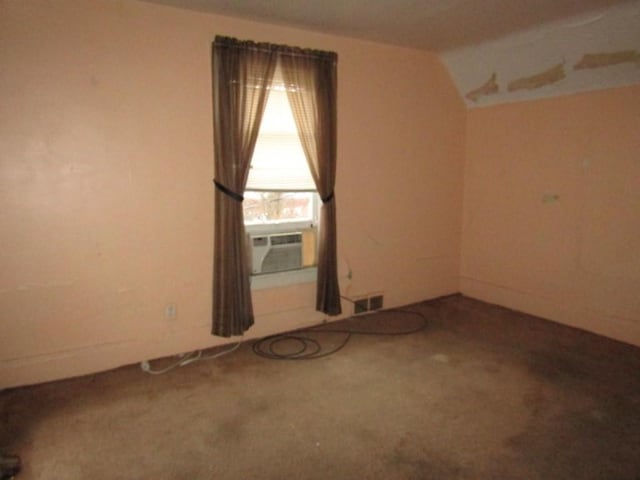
{"x":238,"y":112}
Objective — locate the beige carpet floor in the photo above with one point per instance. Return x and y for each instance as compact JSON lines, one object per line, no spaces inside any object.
{"x":482,"y":393}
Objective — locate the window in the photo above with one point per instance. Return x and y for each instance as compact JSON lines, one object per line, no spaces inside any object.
{"x":280,"y":195}
{"x":241,"y":70}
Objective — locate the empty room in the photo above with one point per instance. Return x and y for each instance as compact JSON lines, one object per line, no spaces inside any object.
{"x":320,"y":240}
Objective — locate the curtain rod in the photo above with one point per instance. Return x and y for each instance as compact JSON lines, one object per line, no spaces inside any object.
{"x":229,"y":42}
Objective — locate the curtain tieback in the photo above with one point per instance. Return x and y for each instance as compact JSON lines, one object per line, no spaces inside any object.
{"x":328,"y":198}
{"x":230,"y":193}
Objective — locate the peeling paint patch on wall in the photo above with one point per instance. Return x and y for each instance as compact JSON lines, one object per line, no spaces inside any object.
{"x":599,"y":60}
{"x":548,"y":77}
{"x":490,"y":87}
{"x":598,"y":50}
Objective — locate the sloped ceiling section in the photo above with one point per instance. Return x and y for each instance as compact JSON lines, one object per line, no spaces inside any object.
{"x":497,"y":51}
{"x":591,"y":51}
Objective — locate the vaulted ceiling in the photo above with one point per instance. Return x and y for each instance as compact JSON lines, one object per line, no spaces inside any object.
{"x":496,"y":50}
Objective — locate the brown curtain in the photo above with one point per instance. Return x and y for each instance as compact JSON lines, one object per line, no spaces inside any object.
{"x":313,"y":79}
{"x":242,"y":71}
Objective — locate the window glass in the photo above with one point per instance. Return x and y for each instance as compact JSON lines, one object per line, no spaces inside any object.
{"x":278,"y":207}
{"x":280,"y":188}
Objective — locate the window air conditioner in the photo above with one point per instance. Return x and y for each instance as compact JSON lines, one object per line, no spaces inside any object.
{"x":276,"y":252}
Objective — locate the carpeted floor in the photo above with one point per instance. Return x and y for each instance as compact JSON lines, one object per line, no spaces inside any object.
{"x":481,"y":393}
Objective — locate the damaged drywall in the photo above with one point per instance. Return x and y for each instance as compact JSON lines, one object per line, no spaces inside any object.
{"x":594,"y":51}
{"x":599,"y":60}
{"x":490,"y":87}
{"x":539,"y":80}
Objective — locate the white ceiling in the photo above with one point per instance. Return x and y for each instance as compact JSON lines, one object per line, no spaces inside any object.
{"x":532,"y":46}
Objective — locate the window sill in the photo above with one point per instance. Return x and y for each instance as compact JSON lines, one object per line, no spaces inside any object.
{"x":282,"y":279}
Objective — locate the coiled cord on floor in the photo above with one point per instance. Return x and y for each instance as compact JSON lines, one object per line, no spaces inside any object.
{"x":311,"y":349}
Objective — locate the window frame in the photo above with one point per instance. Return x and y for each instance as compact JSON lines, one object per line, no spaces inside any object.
{"x":304,"y":274}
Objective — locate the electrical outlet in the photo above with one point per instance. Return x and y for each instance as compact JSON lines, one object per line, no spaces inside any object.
{"x":170,"y":311}
{"x":360,"y":305}
{"x":376,"y":302}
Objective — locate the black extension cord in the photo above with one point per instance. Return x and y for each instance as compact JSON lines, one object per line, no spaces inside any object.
{"x":310,"y":348}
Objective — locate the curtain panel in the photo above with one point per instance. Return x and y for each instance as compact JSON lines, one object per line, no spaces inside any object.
{"x":313,"y":102}
{"x":242,"y":74}
{"x":240,"y":79}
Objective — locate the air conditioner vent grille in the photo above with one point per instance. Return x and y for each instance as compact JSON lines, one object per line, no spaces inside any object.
{"x":276,"y":252}
{"x":281,"y":259}
{"x":286,"y":239}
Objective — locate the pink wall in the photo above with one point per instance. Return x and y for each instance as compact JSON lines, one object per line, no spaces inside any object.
{"x":552,"y":210}
{"x":105,"y":182}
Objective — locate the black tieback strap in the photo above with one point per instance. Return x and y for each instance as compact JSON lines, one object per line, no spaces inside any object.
{"x":236,"y":196}
{"x":328,"y":198}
